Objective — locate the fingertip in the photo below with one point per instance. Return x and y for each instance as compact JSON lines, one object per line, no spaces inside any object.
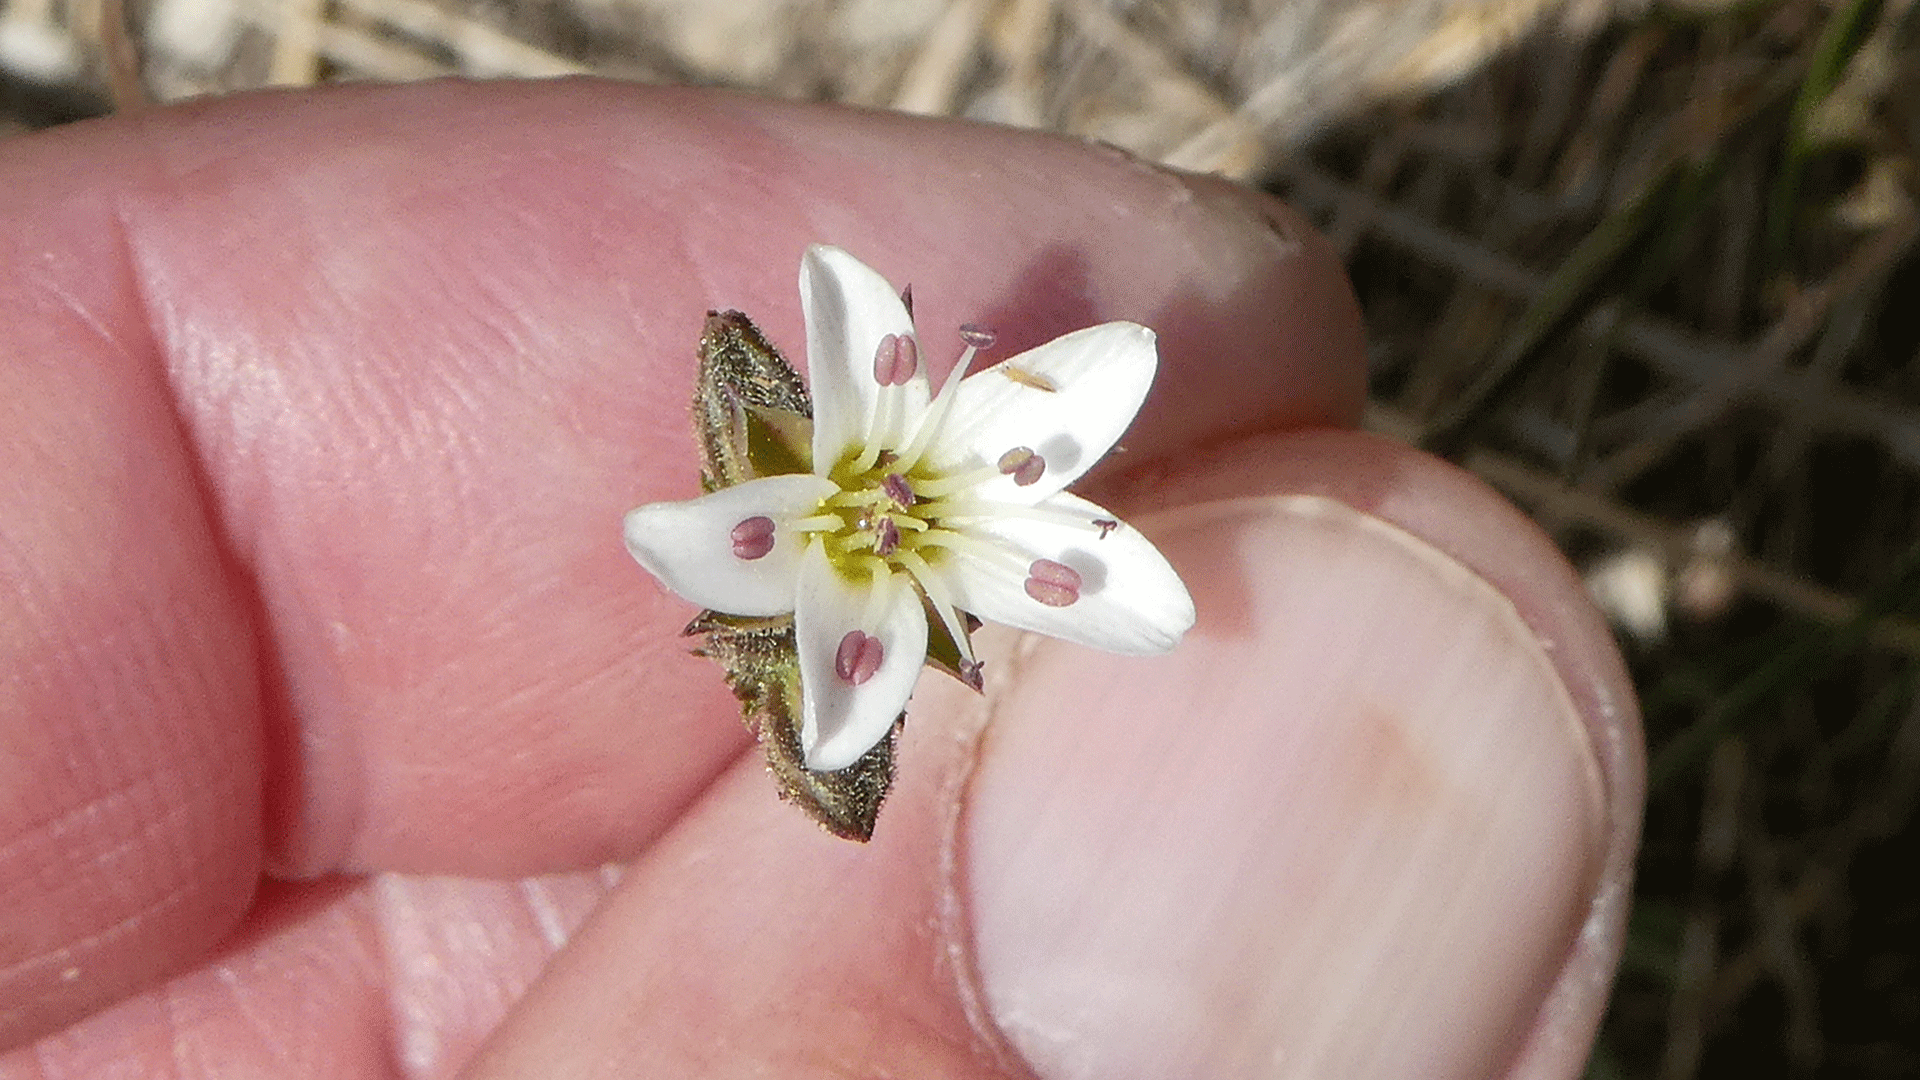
{"x":1369,"y":820}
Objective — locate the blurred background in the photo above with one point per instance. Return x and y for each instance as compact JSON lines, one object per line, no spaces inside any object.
{"x":1648,"y":268}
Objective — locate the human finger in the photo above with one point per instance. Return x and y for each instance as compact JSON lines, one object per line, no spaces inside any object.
{"x":371,"y":374}
{"x":1375,"y":817}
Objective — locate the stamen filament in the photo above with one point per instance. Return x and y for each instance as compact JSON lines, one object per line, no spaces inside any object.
{"x":1000,"y":511}
{"x":935,"y":415}
{"x":956,"y":504}
{"x":846,"y":545}
{"x":960,"y":543}
{"x":877,"y":427}
{"x":929,"y":582}
{"x":817,"y":523}
{"x":947,"y":485}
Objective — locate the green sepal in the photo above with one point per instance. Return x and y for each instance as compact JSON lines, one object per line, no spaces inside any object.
{"x":779,"y":442}
{"x":753,"y":418}
{"x":751,"y":412}
{"x":763,"y":671}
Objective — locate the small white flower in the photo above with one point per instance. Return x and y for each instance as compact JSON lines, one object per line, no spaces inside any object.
{"x":950,"y":503}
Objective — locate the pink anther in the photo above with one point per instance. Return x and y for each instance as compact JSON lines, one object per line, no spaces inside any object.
{"x":753,"y":538}
{"x":977,"y":336}
{"x":898,"y":490}
{"x":1053,"y":584}
{"x":858,"y":658}
{"x":895,"y":361}
{"x":1105,"y":525}
{"x":886,"y":538}
{"x":1023,"y":465}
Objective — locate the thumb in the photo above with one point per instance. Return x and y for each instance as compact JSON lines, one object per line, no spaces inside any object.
{"x":1374,"y":818}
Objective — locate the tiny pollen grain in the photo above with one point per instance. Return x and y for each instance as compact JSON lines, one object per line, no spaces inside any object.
{"x":1028,"y":378}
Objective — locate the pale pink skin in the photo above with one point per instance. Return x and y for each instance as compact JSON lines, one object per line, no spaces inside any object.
{"x":321,"y":413}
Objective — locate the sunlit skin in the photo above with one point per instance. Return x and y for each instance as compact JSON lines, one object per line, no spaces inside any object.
{"x":327,"y":692}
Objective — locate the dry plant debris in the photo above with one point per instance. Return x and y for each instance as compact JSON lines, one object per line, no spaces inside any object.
{"x":1655,"y":285}
{"x":1649,"y":271}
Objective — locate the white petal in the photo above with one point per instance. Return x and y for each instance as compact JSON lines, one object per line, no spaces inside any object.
{"x":1131,"y":601}
{"x":1099,"y":376}
{"x":689,"y":545}
{"x":849,"y":308}
{"x":839,"y":722}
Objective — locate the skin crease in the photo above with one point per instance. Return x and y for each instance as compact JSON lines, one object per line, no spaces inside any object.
{"x":323,"y":411}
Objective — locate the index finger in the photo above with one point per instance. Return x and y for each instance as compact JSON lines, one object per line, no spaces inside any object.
{"x":328,"y":405}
